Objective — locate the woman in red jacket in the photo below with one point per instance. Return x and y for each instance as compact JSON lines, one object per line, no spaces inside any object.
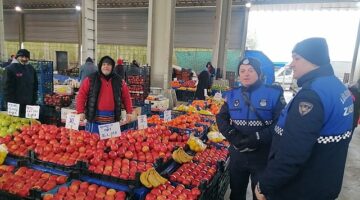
{"x":101,"y":96}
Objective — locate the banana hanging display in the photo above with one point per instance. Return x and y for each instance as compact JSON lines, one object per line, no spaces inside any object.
{"x":151,"y":178}
{"x":180,"y":156}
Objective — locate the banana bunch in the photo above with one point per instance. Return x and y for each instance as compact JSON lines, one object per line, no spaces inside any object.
{"x":180,"y":156}
{"x":214,"y":127}
{"x":3,"y":153}
{"x":182,"y":108}
{"x":205,"y":112}
{"x":196,"y":144}
{"x":151,"y":178}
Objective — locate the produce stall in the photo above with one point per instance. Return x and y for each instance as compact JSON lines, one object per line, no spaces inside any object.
{"x":178,"y":155}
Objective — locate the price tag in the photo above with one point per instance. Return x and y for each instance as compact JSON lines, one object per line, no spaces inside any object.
{"x":13,"y":109}
{"x":142,"y":122}
{"x":205,"y":92}
{"x":109,"y":130}
{"x":32,"y":112}
{"x":167,"y":115}
{"x":218,"y":96}
{"x":72,"y":121}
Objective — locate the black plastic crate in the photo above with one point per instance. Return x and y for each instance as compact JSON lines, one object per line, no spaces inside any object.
{"x":224,"y":182}
{"x":184,"y":95}
{"x":136,"y":182}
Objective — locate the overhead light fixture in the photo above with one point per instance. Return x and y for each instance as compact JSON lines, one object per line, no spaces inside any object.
{"x":358,"y":4}
{"x":18,"y":9}
{"x":78,"y":8}
{"x":248,"y":4}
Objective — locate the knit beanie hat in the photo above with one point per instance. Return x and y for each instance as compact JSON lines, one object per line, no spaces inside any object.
{"x":23,"y":52}
{"x":89,"y":60}
{"x":253,"y":62}
{"x":314,"y":50}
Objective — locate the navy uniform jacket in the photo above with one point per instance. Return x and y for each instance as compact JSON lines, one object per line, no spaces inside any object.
{"x":309,"y":149}
{"x":236,"y":115}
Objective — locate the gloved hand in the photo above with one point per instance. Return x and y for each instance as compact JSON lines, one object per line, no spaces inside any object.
{"x":249,"y":142}
{"x":234,"y":137}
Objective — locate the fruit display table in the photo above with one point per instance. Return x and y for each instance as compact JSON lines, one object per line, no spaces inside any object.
{"x":167,"y":160}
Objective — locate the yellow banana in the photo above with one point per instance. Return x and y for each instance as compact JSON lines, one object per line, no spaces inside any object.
{"x":161,"y":179}
{"x":144,"y":179}
{"x":187,"y":157}
{"x":152,"y":179}
{"x":175,"y":156}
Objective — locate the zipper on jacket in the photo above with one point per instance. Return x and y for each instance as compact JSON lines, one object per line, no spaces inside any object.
{"x":248,"y":110}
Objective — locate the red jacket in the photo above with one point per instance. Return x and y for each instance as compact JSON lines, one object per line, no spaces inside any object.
{"x":106,"y":96}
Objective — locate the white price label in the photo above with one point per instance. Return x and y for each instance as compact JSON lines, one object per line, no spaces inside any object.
{"x":32,"y":112}
{"x":205,"y":92}
{"x":13,"y":109}
{"x":109,"y":130}
{"x":142,"y":122}
{"x":72,"y":121}
{"x":167,"y":115}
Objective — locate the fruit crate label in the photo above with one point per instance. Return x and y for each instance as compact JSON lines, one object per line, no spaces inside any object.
{"x":109,"y":130}
{"x":167,"y":115}
{"x":32,"y":112}
{"x":13,"y":109}
{"x":142,"y":122}
{"x":72,"y":121}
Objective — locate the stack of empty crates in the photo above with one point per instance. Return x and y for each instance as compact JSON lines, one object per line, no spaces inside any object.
{"x":138,"y":79}
{"x":230,"y":76}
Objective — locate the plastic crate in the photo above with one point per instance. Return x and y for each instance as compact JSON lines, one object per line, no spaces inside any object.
{"x":146,"y":109}
{"x":45,"y":75}
{"x":185,"y":95}
{"x":223,"y":185}
{"x":49,"y":115}
{"x":90,"y":181}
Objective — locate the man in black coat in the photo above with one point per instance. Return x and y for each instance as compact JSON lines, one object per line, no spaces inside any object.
{"x":21,"y":83}
{"x":204,"y":81}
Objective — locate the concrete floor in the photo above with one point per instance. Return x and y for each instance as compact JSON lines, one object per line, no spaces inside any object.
{"x":351,"y":184}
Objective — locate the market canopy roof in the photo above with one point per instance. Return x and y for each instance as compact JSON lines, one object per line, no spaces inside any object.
{"x":45,"y":4}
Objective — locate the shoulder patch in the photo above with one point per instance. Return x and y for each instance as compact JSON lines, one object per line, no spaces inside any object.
{"x":305,"y":108}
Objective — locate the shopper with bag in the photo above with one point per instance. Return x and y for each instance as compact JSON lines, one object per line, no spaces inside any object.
{"x":245,"y":120}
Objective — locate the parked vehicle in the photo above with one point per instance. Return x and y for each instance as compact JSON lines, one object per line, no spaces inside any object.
{"x":284,"y":77}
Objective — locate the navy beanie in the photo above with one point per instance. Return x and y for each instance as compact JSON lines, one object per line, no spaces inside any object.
{"x":314,"y":50}
{"x":23,"y":52}
{"x":253,"y":62}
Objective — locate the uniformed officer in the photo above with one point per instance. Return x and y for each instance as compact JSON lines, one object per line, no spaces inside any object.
{"x":309,"y":149}
{"x":245,"y":120}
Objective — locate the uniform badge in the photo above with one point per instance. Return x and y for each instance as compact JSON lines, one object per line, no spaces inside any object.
{"x":246,"y":62}
{"x":263,"y":102}
{"x":305,"y":108}
{"x":236,"y":103}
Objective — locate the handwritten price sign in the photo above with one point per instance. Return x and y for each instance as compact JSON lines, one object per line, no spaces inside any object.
{"x":13,"y":109}
{"x":72,"y":121}
{"x":109,"y":130}
{"x":32,"y":112}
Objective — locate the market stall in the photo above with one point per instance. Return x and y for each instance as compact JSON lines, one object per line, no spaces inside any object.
{"x":176,"y":154}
